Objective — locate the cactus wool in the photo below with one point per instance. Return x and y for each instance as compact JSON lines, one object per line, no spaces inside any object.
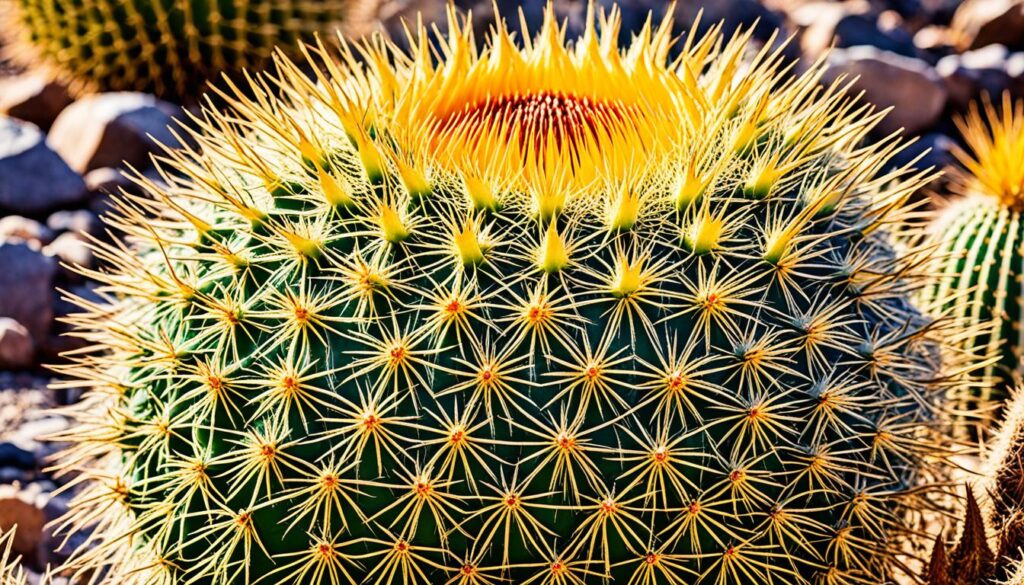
{"x":546,"y":312}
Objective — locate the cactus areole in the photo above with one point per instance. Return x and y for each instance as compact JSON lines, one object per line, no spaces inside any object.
{"x":545,"y":312}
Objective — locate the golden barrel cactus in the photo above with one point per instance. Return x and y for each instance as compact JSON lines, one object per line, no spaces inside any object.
{"x":545,"y":312}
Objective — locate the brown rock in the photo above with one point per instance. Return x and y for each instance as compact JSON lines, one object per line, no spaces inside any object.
{"x":23,"y":507}
{"x":985,"y":22}
{"x":110,"y":129}
{"x":910,"y":86}
{"x":17,"y":350}
{"x":34,"y":98}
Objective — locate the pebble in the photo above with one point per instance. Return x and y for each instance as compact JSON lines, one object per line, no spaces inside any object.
{"x":33,"y":178}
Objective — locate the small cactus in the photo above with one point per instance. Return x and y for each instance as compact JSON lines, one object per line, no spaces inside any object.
{"x":973,"y":561}
{"x":171,"y":48}
{"x":980,"y":242}
{"x":537,"y":313}
{"x":11,"y":571}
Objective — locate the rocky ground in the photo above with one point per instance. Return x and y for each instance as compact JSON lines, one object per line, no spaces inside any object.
{"x":60,"y":159}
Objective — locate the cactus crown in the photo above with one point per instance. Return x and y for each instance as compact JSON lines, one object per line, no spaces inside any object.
{"x":535,"y":313}
{"x":995,"y":164}
{"x":171,"y":48}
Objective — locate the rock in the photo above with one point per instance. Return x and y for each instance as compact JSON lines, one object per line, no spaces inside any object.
{"x":910,"y":86}
{"x":107,"y":130}
{"x":974,"y":73}
{"x":25,"y":283}
{"x":733,"y":14}
{"x":33,"y":178}
{"x":979,"y":23}
{"x":1015,"y":70}
{"x":23,"y":507}
{"x":33,"y":97}
{"x":14,"y":228}
{"x":71,"y":248}
{"x":106,"y":180}
{"x":104,"y":185}
{"x":934,"y":39}
{"x":78,"y":221}
{"x":17,"y":350}
{"x":933,"y":150}
{"x":850,"y":25}
{"x":12,"y":455}
{"x":32,"y":437}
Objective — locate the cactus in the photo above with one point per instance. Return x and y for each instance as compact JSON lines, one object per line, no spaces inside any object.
{"x":973,"y":561}
{"x":980,"y":239}
{"x":167,"y":47}
{"x":536,"y":313}
{"x":11,"y":571}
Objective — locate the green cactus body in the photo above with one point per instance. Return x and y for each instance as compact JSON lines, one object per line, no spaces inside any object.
{"x":512,"y":316}
{"x":983,"y":251}
{"x":171,"y":48}
{"x":979,"y":243}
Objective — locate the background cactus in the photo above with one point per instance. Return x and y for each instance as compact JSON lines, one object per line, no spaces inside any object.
{"x":167,"y":47}
{"x":973,"y":560}
{"x":980,"y":240}
{"x":535,"y":313}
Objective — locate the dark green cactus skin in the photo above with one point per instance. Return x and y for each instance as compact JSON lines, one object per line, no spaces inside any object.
{"x":981,"y":250}
{"x":781,"y":405}
{"x":170,"y":48}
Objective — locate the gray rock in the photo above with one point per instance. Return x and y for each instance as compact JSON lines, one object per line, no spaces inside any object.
{"x":848,"y":25}
{"x":14,"y":228}
{"x":25,"y":283}
{"x":71,"y":248}
{"x":979,"y":23}
{"x":974,"y":73}
{"x":12,"y":455}
{"x":107,"y":130}
{"x":933,"y":150}
{"x":78,"y":221}
{"x":910,"y":86}
{"x":17,"y":350}
{"x":1015,"y":69}
{"x":34,"y":436}
{"x":104,"y":184}
{"x":33,"y":97}
{"x":33,"y":178}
